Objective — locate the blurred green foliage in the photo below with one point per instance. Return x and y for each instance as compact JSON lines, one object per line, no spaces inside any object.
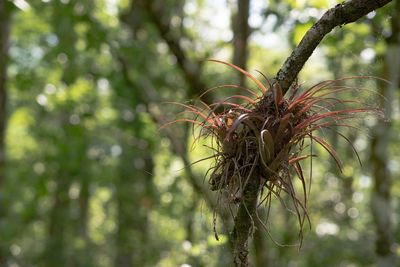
{"x":92,"y":181}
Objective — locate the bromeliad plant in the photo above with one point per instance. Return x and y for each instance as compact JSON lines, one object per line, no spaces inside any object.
{"x":259,"y":143}
{"x":264,"y":136}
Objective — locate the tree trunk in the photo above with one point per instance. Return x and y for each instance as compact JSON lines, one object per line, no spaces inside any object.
{"x":55,"y":250}
{"x":84,"y":196}
{"x":134,"y":200}
{"x":70,"y":146}
{"x":241,"y":32}
{"x":381,"y":199}
{"x":4,"y":40}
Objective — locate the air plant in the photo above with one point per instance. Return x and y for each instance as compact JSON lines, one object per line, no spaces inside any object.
{"x":265,"y":135}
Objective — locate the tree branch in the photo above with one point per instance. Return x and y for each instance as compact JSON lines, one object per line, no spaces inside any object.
{"x":341,"y":14}
{"x":191,"y":68}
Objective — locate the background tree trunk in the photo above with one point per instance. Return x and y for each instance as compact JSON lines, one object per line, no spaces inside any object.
{"x":134,"y":200}
{"x":381,"y":198}
{"x":241,"y":33}
{"x":4,"y":40}
{"x":55,"y":251}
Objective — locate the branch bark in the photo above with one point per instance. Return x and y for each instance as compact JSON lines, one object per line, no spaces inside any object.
{"x":244,"y":222}
{"x":339,"y":15}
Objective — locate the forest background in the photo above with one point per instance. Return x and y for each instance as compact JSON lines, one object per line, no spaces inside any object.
{"x":88,"y":179}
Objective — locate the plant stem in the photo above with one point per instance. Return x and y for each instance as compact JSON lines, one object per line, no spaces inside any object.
{"x":244,"y":222}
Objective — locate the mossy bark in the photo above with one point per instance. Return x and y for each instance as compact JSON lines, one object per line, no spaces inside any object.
{"x":244,"y":222}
